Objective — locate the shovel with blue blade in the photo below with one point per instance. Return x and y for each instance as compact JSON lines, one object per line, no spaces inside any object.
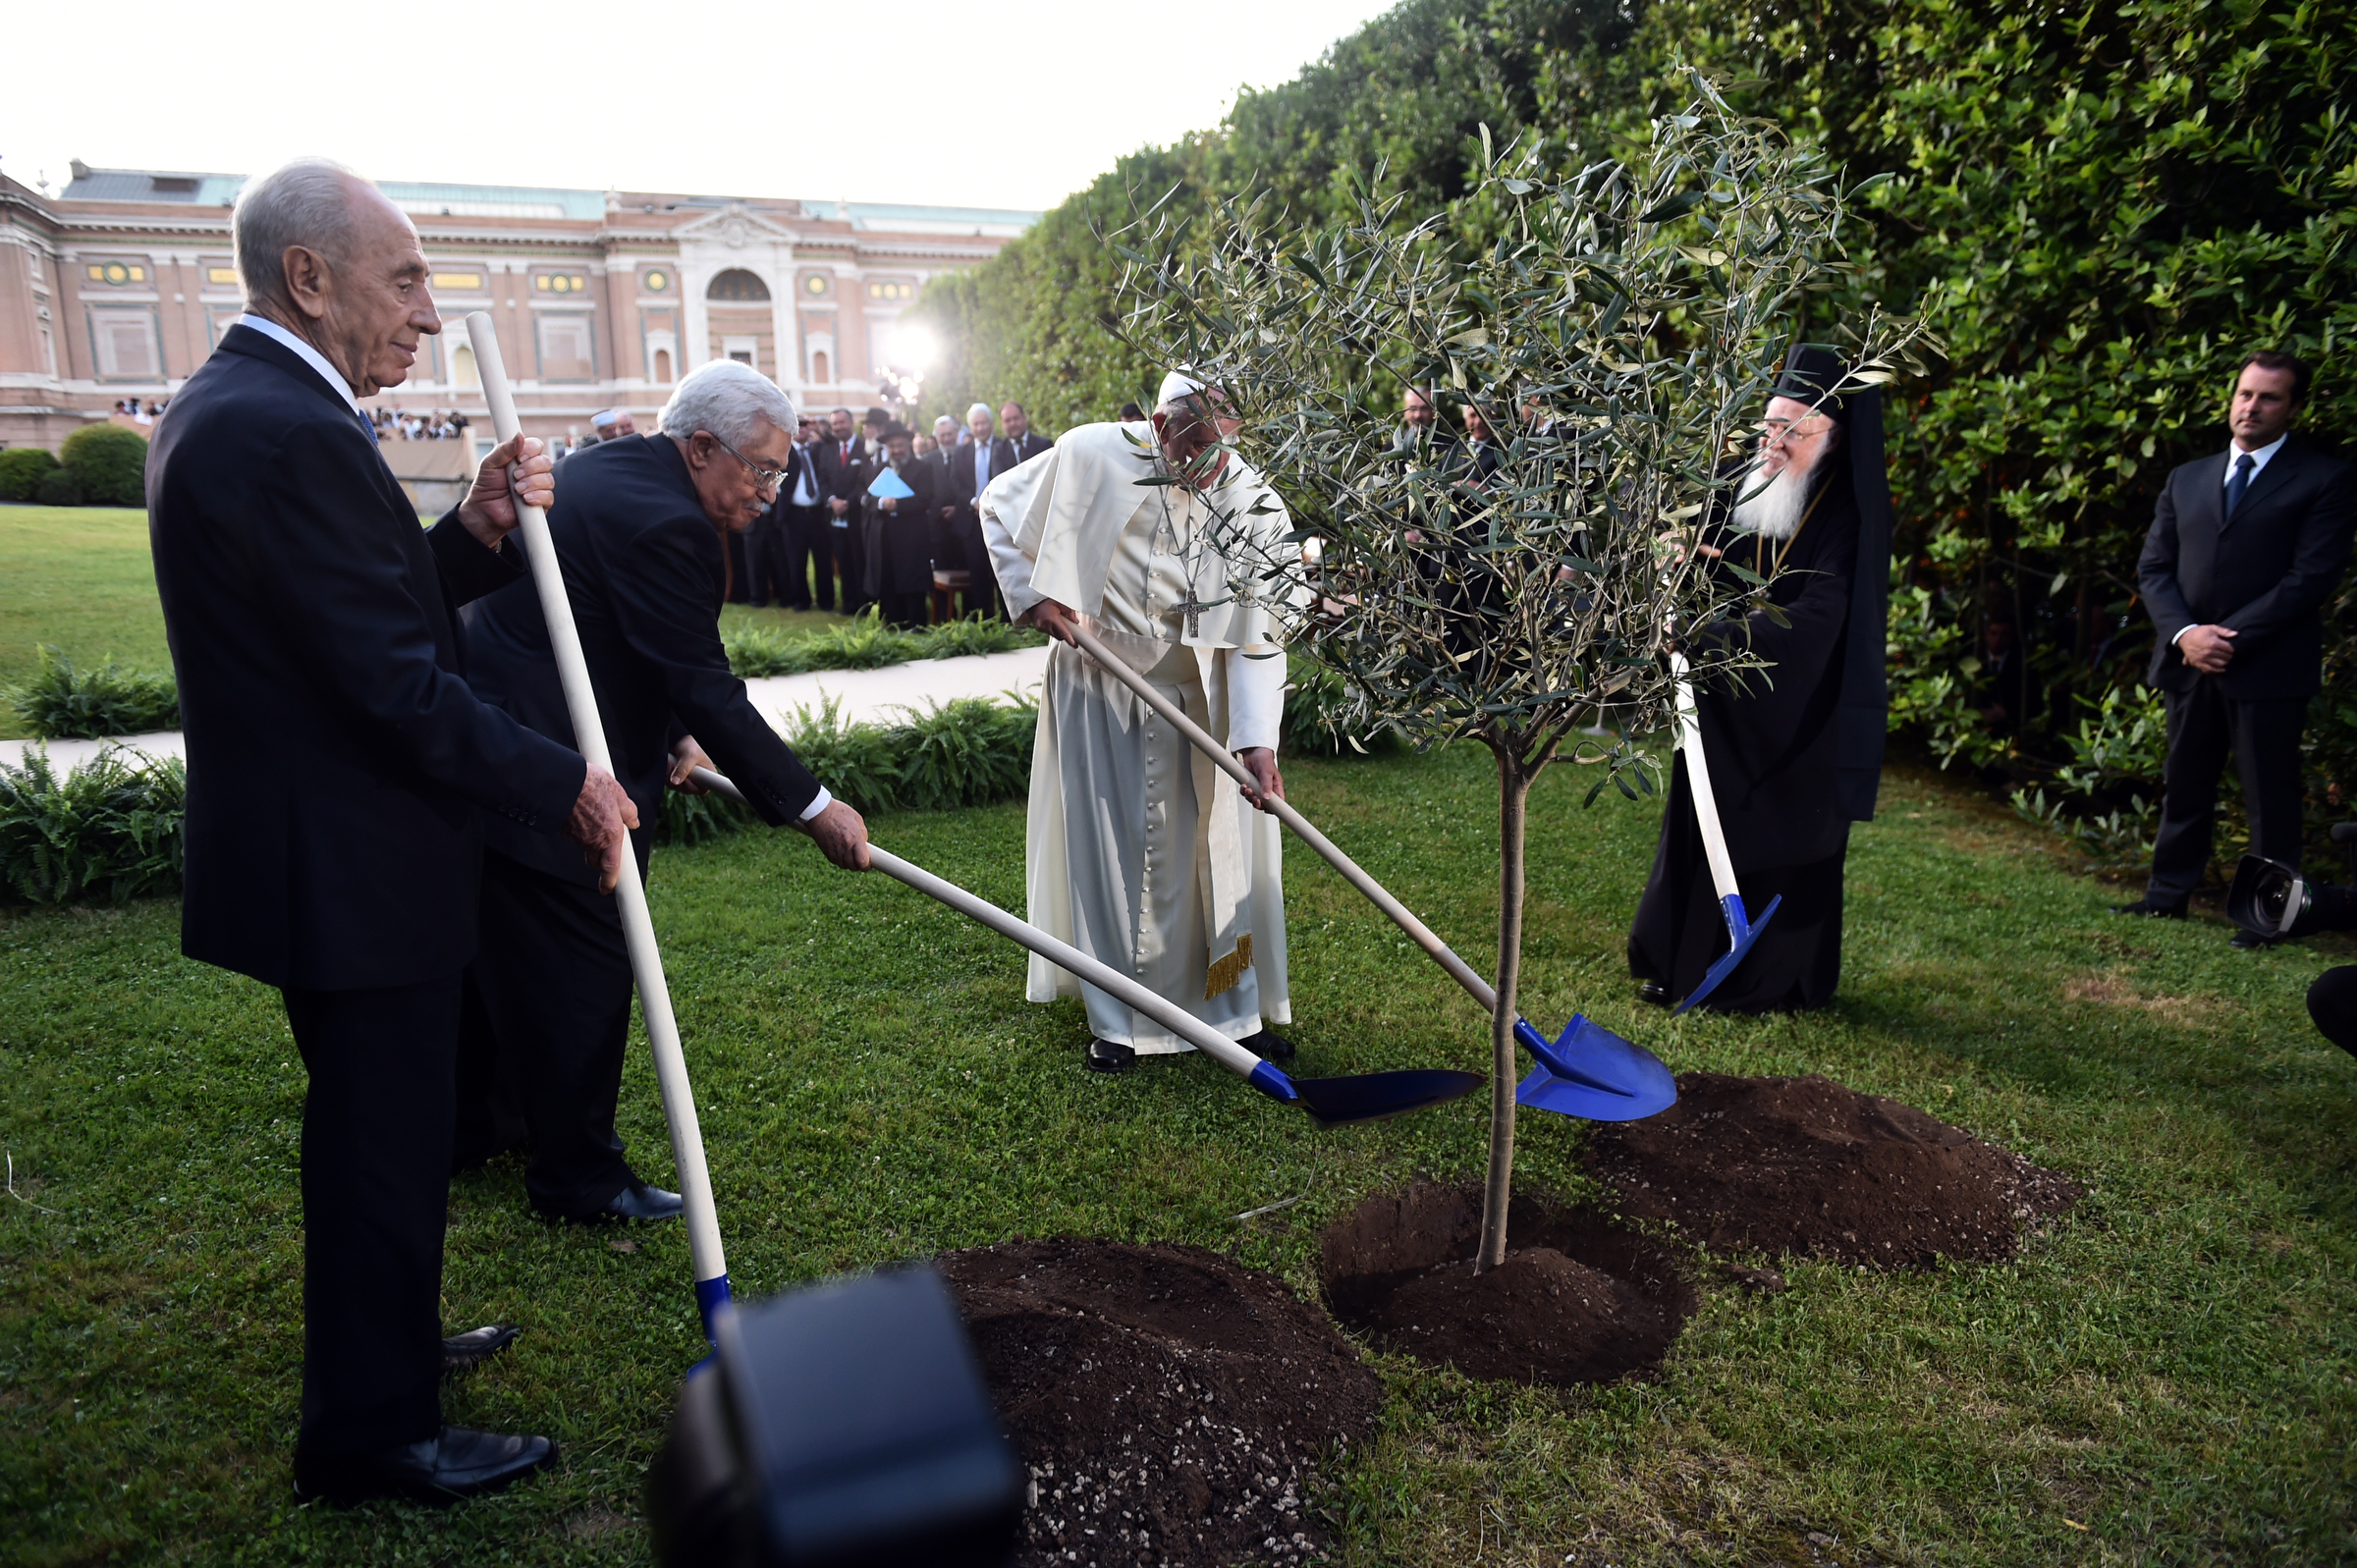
{"x":1742,"y":930}
{"x":1586,"y":1071}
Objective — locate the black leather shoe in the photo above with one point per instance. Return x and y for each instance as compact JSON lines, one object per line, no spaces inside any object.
{"x":1106,"y":1057}
{"x":2245,"y":941}
{"x":1268,"y":1045}
{"x":1653,"y":993}
{"x":475,"y":1346}
{"x":638,"y":1201}
{"x":458,"y":1463}
{"x":2152,"y":910}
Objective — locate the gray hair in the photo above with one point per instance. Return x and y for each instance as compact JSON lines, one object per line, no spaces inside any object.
{"x":728,"y":397}
{"x":982,"y":409}
{"x":306,"y":202}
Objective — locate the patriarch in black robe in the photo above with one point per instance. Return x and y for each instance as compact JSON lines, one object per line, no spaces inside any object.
{"x":1795,"y":749}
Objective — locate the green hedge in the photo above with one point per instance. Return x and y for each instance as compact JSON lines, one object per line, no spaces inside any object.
{"x":22,"y":470}
{"x":110,"y":829}
{"x":867,"y":642}
{"x":109,"y":463}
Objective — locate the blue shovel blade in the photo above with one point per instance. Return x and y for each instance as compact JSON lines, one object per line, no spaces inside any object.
{"x":1591,"y":1072}
{"x":1373,"y":1096}
{"x":1740,"y":935}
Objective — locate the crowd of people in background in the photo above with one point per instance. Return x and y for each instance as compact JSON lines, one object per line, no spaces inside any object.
{"x":395,"y":424}
{"x":144,"y":413}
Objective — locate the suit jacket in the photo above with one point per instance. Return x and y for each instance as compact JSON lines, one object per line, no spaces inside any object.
{"x":2266,"y":573}
{"x":1031,"y":445}
{"x":900,"y":542}
{"x":841,"y":479}
{"x":336,"y":754}
{"x":642,"y":566}
{"x":782,"y":513}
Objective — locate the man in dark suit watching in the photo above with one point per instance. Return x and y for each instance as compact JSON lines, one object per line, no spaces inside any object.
{"x":639,"y":526}
{"x":1026,"y":441}
{"x":339,"y":769}
{"x":2245,"y":547}
{"x":845,"y":465}
{"x":970,"y":470}
{"x":770,"y":548}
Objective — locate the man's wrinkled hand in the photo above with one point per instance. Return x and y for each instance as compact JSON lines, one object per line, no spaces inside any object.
{"x":685,"y":757}
{"x":2209,"y":649}
{"x":516,"y":470}
{"x":1054,"y":620}
{"x":842,"y":836}
{"x":601,"y":820}
{"x":1261,"y":763}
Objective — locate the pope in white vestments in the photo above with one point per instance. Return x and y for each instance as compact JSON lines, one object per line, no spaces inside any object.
{"x":1140,"y":853}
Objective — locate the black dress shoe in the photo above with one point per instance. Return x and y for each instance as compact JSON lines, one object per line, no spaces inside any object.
{"x":2152,"y":910}
{"x":458,"y":1463}
{"x":476,"y":1345}
{"x":638,"y":1201}
{"x":1106,"y":1057}
{"x":1268,"y":1045}
{"x":1653,"y":993}
{"x":2245,"y":941}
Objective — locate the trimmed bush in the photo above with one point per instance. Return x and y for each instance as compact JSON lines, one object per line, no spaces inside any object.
{"x":22,"y":470}
{"x":109,"y":462}
{"x":58,"y":488}
{"x":108,"y":829}
{"x":867,"y":642}
{"x":62,"y":703}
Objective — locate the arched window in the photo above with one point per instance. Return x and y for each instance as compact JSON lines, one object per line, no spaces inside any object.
{"x":818,"y":367}
{"x":462,"y":367}
{"x":737,"y":287}
{"x":663,"y":368}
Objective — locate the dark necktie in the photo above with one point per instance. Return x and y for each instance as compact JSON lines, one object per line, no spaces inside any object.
{"x":2239,"y":481}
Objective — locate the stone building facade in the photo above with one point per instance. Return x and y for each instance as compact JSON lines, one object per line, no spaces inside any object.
{"x":121,"y":285}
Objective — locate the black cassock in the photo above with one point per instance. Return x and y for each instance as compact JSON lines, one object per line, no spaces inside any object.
{"x":1794,"y":750}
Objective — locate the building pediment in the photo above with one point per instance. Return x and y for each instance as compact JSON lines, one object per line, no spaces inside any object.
{"x":734,"y":227}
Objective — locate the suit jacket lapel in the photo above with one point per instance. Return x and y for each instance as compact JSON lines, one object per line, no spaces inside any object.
{"x":2268,"y":479}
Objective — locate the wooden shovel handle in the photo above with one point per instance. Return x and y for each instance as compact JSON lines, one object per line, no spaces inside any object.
{"x":1441,"y":954}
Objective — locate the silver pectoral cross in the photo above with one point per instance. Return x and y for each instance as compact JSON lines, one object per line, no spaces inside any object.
{"x":1194,"y":610}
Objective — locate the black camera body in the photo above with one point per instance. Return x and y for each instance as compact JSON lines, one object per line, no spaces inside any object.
{"x":843,"y":1426}
{"x":2271,"y":900}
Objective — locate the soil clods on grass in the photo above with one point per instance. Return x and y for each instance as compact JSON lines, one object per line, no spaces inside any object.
{"x":1805,"y":1166}
{"x":1168,"y":1403}
{"x":1578,"y":1300}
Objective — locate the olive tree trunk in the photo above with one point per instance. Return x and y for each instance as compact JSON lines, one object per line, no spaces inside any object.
{"x":1514,"y":800}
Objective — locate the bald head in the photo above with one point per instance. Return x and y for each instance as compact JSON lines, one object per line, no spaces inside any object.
{"x":327,"y":255}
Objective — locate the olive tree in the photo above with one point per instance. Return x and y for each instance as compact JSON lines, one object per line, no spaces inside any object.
{"x":1618,"y":337}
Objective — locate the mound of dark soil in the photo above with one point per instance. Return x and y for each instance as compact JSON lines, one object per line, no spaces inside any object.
{"x":1577,"y":1300}
{"x":1805,"y":1166}
{"x":1167,"y":1402}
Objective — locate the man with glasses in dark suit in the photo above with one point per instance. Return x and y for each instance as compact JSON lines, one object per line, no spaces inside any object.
{"x":2245,"y":547}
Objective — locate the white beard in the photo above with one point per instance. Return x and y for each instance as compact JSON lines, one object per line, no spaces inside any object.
{"x":1776,"y":512}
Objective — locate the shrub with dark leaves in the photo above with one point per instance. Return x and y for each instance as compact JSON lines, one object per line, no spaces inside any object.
{"x":66,"y":703}
{"x":108,"y":829}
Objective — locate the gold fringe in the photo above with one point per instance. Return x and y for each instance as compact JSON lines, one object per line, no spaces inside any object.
{"x":1223,"y":975}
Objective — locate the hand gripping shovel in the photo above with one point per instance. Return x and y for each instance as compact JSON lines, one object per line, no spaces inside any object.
{"x":1741,"y":933}
{"x":1586,"y":1071}
{"x":638,"y":926}
{"x":1334,"y":1102}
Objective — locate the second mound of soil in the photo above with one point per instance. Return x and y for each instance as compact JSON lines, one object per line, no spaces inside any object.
{"x":1806,"y":1165}
{"x":1167,"y":1402}
{"x":1577,"y":1300}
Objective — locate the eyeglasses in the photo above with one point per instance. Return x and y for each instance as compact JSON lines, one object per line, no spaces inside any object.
{"x":1777,"y":429}
{"x":766,"y":477}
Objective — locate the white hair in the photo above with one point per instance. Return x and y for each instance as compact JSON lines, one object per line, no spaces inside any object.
{"x":982,"y":409}
{"x":306,"y":202}
{"x":728,"y":397}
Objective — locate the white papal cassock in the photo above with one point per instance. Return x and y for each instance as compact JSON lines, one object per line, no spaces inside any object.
{"x":1140,"y":853}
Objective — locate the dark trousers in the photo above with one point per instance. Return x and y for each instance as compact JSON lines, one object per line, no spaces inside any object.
{"x":766,"y":578}
{"x":809,"y":542}
{"x":2204,"y":725}
{"x":849,"y":558}
{"x":542,"y":1044}
{"x":905,"y":609}
{"x":377,"y":1132}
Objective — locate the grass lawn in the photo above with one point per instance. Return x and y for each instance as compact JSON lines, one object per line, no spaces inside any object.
{"x":80,"y":577}
{"x":2168,"y":1379}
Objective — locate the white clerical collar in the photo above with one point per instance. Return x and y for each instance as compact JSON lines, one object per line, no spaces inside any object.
{"x":304,"y":352}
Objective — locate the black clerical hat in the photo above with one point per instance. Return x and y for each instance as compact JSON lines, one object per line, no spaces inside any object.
{"x":1812,"y":370}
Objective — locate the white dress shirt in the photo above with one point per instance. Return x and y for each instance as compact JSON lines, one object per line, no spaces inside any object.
{"x":304,"y":352}
{"x":982,"y":477}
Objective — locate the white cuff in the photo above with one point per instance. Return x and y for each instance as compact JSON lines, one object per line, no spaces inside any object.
{"x":818,"y":803}
{"x":2182,"y":631}
{"x":1256,"y":696}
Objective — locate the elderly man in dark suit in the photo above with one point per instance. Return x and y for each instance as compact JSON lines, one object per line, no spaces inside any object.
{"x":845,"y":463}
{"x":2245,"y":547}
{"x":339,"y":769}
{"x":639,"y":526}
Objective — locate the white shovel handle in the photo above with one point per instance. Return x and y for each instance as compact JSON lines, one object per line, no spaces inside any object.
{"x":1698,"y":780}
{"x":1458,"y":970}
{"x":637,"y":925}
{"x":1226,"y":1051}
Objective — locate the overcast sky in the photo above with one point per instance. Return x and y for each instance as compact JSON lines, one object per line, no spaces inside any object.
{"x":993,"y":104}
